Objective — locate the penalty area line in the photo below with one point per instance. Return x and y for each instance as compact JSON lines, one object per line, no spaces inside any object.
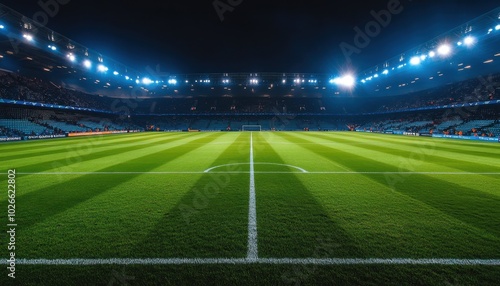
{"x":275,"y":261}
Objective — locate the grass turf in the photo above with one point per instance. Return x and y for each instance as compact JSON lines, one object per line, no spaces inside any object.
{"x":147,"y":196}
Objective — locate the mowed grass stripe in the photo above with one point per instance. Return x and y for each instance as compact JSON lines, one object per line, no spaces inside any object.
{"x":101,"y":141}
{"x":91,"y":161}
{"x":291,"y":222}
{"x":479,"y":209}
{"x":400,"y":159}
{"x":47,"y":143}
{"x":427,"y":160}
{"x":211,"y":219}
{"x":385,"y":223}
{"x":87,"y":158}
{"x":294,"y":154}
{"x":431,"y":152}
{"x":37,"y":206}
{"x":459,"y":144}
{"x":76,"y":154}
{"x":493,"y":152}
{"x":146,"y":208}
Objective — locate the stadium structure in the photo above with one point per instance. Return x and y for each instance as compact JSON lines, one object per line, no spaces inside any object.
{"x":456,"y":68}
{"x":398,"y":183}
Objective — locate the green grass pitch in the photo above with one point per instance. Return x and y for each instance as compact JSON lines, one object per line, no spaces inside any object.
{"x":177,"y":205}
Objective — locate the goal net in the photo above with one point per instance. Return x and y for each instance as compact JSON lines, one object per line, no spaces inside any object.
{"x":251,"y":128}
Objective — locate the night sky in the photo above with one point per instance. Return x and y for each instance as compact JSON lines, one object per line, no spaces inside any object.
{"x":188,"y":36}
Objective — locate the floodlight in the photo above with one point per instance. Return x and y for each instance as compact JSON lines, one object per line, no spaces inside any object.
{"x":116,"y":73}
{"x":2,"y":27}
{"x":172,"y":81}
{"x":54,"y":48}
{"x":345,"y":81}
{"x":423,"y":57}
{"x":28,"y":37}
{"x":147,"y":81}
{"x":432,"y":54}
{"x":71,"y":57}
{"x":469,"y":40}
{"x":385,"y":72}
{"x":87,"y":64}
{"x":102,"y":68}
{"x":444,"y":50}
{"x":497,"y":27}
{"x":415,"y":61}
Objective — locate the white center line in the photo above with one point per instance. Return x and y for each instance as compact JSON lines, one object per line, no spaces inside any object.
{"x":252,"y":212}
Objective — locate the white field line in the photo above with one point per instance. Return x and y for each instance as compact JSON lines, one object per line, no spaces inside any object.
{"x":252,"y":211}
{"x":261,"y":172}
{"x":276,"y":261}
{"x":256,"y":163}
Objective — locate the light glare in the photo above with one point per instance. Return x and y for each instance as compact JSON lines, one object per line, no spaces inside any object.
{"x":87,"y":64}
{"x":444,"y":50}
{"x":415,"y":61}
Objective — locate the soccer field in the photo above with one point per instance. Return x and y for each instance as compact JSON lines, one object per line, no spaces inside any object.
{"x":254,"y":208}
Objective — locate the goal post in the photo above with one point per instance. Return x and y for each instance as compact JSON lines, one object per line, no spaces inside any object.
{"x":251,"y":128}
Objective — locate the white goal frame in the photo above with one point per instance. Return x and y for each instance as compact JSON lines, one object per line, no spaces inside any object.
{"x":252,"y":127}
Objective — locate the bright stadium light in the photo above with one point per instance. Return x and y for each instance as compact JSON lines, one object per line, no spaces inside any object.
{"x":54,"y":48}
{"x":71,"y":57}
{"x":127,"y":77}
{"x":2,"y":27}
{"x":87,"y":64}
{"x":172,"y":81}
{"x":415,"y":61}
{"x":497,"y":27}
{"x":423,"y":57}
{"x":345,"y":81}
{"x":102,"y":68}
{"x":28,"y":37}
{"x":432,"y":54}
{"x":147,"y":81}
{"x":116,"y":73}
{"x":469,"y":41}
{"x":444,"y":50}
{"x":386,"y":72}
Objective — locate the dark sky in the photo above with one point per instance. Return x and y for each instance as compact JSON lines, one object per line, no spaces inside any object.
{"x":187,"y":36}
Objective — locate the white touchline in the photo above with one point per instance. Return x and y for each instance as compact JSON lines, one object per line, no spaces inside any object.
{"x":301,"y":171}
{"x":275,"y":261}
{"x":252,"y":212}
